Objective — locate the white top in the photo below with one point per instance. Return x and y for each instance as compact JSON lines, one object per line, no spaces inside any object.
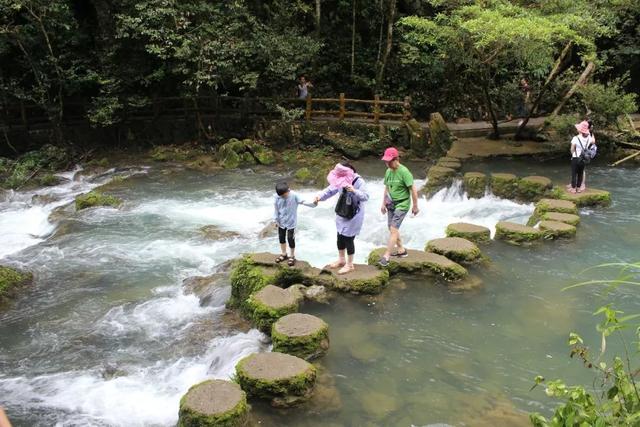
{"x":577,"y":140}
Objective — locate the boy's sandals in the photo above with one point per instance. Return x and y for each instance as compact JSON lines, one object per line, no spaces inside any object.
{"x":336,"y":264}
{"x":291,"y":262}
{"x":400,"y":254}
{"x":281,"y":258}
{"x":346,"y":269}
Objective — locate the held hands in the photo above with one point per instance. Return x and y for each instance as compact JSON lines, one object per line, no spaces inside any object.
{"x":316,"y":200}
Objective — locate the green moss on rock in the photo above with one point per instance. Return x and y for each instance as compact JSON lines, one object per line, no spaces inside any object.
{"x":11,"y":280}
{"x":516,"y":234}
{"x":365,"y":279}
{"x":504,"y":185}
{"x":557,"y":230}
{"x":213,"y":403}
{"x":532,"y":188}
{"x":589,"y":197}
{"x":438,"y":177}
{"x":282,"y":379}
{"x":440,"y":138}
{"x":475,"y":233}
{"x":301,"y":335}
{"x":561,"y":217}
{"x":268,"y":305}
{"x":455,"y":248}
{"x":246,"y":278}
{"x":419,"y":261}
{"x":96,"y":198}
{"x":475,"y":184}
{"x":552,"y":205}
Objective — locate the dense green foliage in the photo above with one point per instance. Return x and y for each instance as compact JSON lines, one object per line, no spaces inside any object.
{"x":106,"y":59}
{"x":612,"y":398}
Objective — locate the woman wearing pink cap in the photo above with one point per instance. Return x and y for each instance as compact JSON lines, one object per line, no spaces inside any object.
{"x":344,"y":177}
{"x":581,"y":146}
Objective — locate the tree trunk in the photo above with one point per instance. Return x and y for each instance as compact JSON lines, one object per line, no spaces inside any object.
{"x":353,"y":40}
{"x":387,"y":51}
{"x":492,"y":113}
{"x":318,"y":14}
{"x":555,"y":72}
{"x":580,"y":82}
{"x":381,"y":31}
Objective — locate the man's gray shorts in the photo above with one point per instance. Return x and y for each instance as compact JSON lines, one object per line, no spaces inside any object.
{"x":395,"y":217}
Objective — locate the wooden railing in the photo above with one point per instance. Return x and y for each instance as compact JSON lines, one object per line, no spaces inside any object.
{"x":376,"y":105}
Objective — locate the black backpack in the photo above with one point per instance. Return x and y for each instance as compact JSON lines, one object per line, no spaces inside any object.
{"x":348,"y":204}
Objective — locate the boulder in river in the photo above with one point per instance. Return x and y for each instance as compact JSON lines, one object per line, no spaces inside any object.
{"x":301,"y":335}
{"x":532,"y":188}
{"x":455,"y":248}
{"x":205,"y":287}
{"x":516,"y":234}
{"x":475,"y":184}
{"x":504,"y":185}
{"x":213,"y":403}
{"x":96,"y":198}
{"x":365,"y":279}
{"x":268,"y":305}
{"x":589,"y":197}
{"x":419,"y":261}
{"x":570,"y":219}
{"x":280,"y":378}
{"x":557,"y":230}
{"x":11,"y":280}
{"x":213,"y":232}
{"x":438,"y":177}
{"x":440,"y":137}
{"x":475,"y":233}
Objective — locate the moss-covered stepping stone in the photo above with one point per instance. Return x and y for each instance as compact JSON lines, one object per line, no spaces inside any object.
{"x":552,"y":205}
{"x":475,"y":184}
{"x":438,"y":177}
{"x":475,"y":233}
{"x":11,"y":280}
{"x":504,"y":185}
{"x":557,"y":230}
{"x":589,"y":197}
{"x":449,"y":162}
{"x":531,"y":188}
{"x":455,"y":248}
{"x":365,"y":279}
{"x":518,"y":234}
{"x":449,"y":159}
{"x":301,"y":335}
{"x":570,"y":219}
{"x":268,"y":305}
{"x":282,"y":379}
{"x":419,"y":261}
{"x":213,"y":403}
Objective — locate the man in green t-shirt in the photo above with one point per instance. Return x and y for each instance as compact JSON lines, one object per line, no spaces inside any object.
{"x":399,"y":193}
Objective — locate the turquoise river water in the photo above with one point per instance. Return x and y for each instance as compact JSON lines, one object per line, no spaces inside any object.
{"x":107,"y":337}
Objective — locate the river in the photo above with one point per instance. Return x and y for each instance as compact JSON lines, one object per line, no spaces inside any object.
{"x":106,"y":336}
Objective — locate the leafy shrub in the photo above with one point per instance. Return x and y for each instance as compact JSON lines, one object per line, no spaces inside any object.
{"x":607,"y":102}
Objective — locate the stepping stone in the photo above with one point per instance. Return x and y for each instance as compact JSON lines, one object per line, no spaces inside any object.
{"x":516,"y":234}
{"x":365,"y":279}
{"x":504,"y":185}
{"x":301,"y":335}
{"x":449,"y":162}
{"x":449,"y":159}
{"x":419,"y":261}
{"x":475,"y":233}
{"x":269,"y":304}
{"x":475,"y":184}
{"x":438,"y":177}
{"x":213,"y":403}
{"x":557,"y":230}
{"x":589,"y":197}
{"x":280,"y":378}
{"x":551,"y":205}
{"x":455,"y":248}
{"x":570,"y":219}
{"x":531,"y":188}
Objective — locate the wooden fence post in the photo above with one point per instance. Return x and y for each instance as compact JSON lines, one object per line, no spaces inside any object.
{"x":406,"y":109}
{"x":342,"y":106}
{"x":376,"y":109}
{"x":308,"y":108}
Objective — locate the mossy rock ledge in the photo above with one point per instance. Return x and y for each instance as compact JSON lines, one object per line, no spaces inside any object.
{"x":570,"y":219}
{"x":532,"y":188}
{"x":589,"y":197}
{"x":268,"y":305}
{"x":475,"y":233}
{"x":557,"y":230}
{"x":213,"y":403}
{"x":438,"y":177}
{"x":282,"y":379}
{"x":96,"y":198}
{"x":504,"y":185}
{"x":301,"y":335}
{"x":449,"y":162}
{"x":365,"y":279}
{"x":552,"y":205}
{"x":455,"y":248}
{"x":516,"y":234}
{"x":11,"y":280}
{"x":475,"y":184}
{"x":419,"y":261}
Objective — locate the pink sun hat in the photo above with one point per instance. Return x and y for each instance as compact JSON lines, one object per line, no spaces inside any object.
{"x":583,"y":127}
{"x":390,"y":154}
{"x":341,"y":176}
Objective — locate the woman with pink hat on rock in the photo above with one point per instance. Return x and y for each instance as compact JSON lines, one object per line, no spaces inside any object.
{"x":582,"y":151}
{"x":344,"y":180}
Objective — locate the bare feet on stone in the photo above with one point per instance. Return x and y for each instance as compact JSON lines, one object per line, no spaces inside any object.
{"x":336,"y":264}
{"x":346,"y":269}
